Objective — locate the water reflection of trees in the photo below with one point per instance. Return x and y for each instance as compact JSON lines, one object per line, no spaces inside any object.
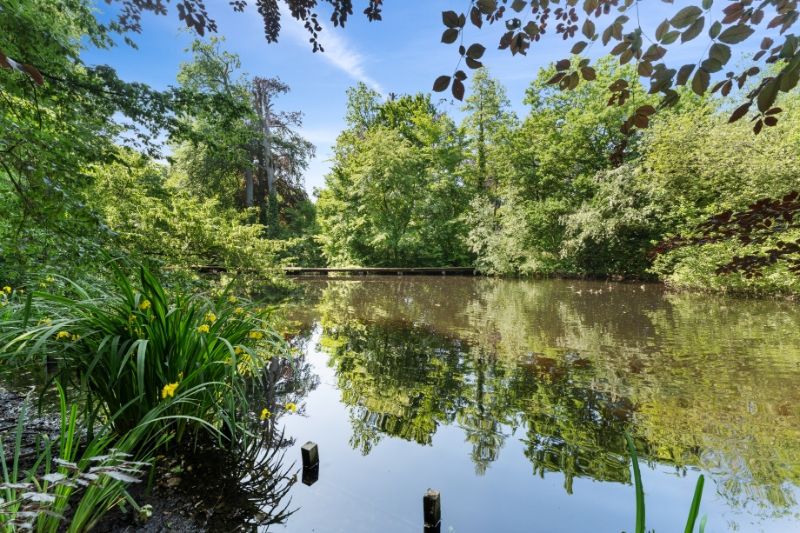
{"x":701,"y":381}
{"x":248,"y":489}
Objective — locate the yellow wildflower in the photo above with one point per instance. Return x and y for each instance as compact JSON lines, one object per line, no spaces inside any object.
{"x":7,"y":289}
{"x":265,"y":414}
{"x":239,"y":310}
{"x":62,"y":335}
{"x":291,"y":407}
{"x":238,"y":350}
{"x":203,"y":328}
{"x":145,"y":305}
{"x":168,"y":391}
{"x":76,"y":337}
{"x":256,"y":335}
{"x":232,"y":299}
{"x":210,"y":317}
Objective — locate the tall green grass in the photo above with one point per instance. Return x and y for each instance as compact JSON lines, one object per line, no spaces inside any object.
{"x":141,"y":358}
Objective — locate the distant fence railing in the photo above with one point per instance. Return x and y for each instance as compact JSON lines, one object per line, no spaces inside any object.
{"x":430,"y":271}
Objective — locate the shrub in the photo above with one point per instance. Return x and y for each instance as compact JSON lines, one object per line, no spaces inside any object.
{"x":138,"y":355}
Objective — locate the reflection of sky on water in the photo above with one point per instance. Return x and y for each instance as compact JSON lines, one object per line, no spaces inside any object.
{"x":564,"y":367}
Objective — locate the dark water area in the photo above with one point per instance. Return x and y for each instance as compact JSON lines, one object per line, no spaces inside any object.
{"x":512,"y":397}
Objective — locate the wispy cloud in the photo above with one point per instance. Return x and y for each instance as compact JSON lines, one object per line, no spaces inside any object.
{"x":339,"y":52}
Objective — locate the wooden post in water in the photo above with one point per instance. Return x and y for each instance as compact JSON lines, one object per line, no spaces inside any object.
{"x":432,"y":511}
{"x":310,"y":453}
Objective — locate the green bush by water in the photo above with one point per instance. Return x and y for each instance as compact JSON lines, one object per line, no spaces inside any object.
{"x":140,"y":355}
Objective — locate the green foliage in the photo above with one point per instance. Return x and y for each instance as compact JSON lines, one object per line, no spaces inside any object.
{"x":86,"y":478}
{"x":487,"y":124}
{"x":393,"y":197}
{"x":622,"y":36}
{"x":71,"y":191}
{"x":48,"y":133}
{"x":150,"y":216}
{"x":242,"y":151}
{"x":521,"y":227}
{"x":612,"y":233}
{"x":143,"y":359}
{"x":213,"y":146}
{"x":620,"y":31}
{"x":698,"y":174}
{"x":564,"y":191}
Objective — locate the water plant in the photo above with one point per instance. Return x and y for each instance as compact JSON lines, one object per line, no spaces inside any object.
{"x":640,"y":506}
{"x":140,"y":357}
{"x":65,"y":476}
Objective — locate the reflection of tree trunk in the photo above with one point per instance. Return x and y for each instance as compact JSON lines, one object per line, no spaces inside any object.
{"x":479,"y":385}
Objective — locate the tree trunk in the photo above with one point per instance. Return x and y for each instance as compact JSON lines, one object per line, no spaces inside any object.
{"x":268,"y":201}
{"x":248,"y":187}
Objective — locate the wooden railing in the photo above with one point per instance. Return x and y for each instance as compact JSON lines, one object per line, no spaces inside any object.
{"x":430,"y":271}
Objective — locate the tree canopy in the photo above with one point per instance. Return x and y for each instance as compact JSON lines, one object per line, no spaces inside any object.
{"x":561,"y":189}
{"x":614,"y":24}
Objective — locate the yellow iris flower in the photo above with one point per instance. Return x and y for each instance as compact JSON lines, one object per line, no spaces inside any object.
{"x":168,"y":391}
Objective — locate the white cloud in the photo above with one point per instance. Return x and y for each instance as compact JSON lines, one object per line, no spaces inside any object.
{"x":338,"y":50}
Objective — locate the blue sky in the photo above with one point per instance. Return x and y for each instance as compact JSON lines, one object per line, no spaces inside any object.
{"x":401,"y":54}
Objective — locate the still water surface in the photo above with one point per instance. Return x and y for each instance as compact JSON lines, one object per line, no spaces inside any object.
{"x":511,"y":398}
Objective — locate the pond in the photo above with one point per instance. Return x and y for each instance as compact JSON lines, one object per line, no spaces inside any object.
{"x":512,"y":397}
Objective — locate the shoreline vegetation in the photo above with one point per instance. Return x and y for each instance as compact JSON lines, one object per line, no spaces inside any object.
{"x":140,"y":373}
{"x":113,"y":192}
